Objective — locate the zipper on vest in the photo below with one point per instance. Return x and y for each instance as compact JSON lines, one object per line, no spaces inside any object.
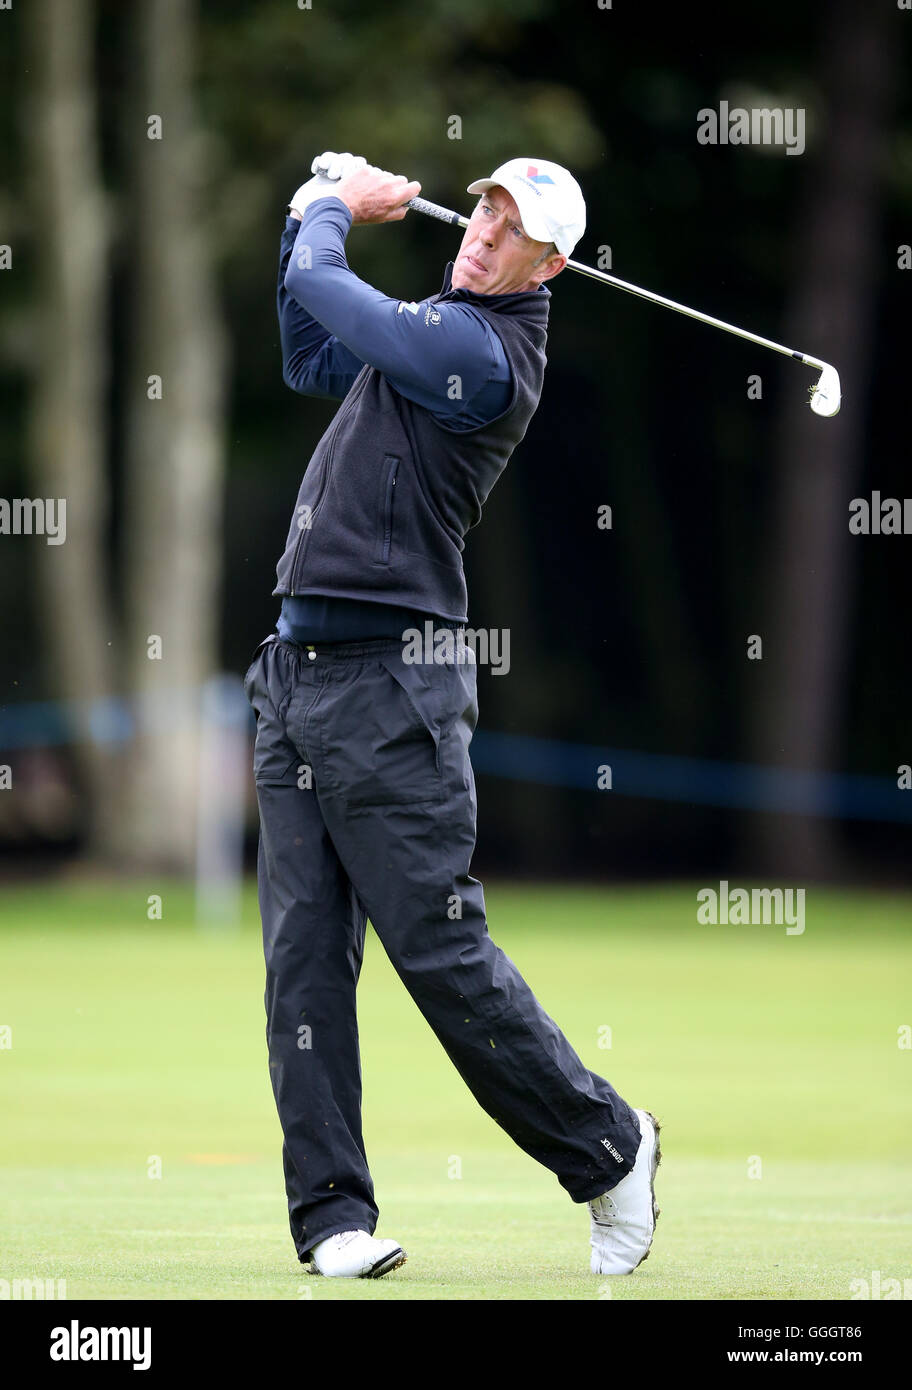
{"x":388,"y":508}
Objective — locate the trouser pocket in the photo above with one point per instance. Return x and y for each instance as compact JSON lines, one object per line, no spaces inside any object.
{"x":380,"y":747}
{"x":267,"y":641}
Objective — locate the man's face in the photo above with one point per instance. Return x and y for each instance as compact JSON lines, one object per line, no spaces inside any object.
{"x":496,"y":256}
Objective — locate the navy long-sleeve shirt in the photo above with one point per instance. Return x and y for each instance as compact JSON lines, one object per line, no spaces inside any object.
{"x":443,"y":357}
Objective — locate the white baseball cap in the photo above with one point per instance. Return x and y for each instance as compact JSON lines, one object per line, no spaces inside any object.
{"x":549,"y":199}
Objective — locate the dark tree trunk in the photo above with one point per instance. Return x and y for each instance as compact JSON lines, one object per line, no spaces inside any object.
{"x":800,"y":689}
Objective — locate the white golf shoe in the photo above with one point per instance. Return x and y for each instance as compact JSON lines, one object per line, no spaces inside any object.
{"x":623,"y":1220}
{"x":355,"y":1255}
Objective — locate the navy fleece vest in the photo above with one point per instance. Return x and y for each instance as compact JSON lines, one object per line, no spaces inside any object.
{"x":389,"y":493}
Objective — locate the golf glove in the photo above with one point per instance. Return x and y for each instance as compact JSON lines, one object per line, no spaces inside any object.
{"x":328,"y":169}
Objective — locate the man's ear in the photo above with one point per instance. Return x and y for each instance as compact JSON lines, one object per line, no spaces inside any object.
{"x":549,"y":268}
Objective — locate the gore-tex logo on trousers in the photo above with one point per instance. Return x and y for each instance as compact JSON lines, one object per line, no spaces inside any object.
{"x":612,"y":1150}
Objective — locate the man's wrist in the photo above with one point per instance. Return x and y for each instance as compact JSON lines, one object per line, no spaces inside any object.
{"x":292,"y":212}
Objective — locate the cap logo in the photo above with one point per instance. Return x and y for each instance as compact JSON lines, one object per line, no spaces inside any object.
{"x":533,"y":174}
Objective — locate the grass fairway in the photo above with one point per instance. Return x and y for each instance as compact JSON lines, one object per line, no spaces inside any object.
{"x":133,"y":1040}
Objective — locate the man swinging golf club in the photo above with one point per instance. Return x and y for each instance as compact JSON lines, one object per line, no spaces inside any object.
{"x":364,"y":783}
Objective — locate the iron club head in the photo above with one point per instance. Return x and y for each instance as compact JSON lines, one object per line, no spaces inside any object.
{"x":826,"y":395}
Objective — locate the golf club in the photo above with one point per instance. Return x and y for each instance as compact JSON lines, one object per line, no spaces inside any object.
{"x":826,"y":395}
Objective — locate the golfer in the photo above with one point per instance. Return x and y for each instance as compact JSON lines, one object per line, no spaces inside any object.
{"x":365,"y":788}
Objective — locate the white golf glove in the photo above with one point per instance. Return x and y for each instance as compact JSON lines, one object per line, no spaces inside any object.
{"x":328,"y":169}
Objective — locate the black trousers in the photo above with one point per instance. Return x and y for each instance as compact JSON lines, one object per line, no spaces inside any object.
{"x":367,"y":809}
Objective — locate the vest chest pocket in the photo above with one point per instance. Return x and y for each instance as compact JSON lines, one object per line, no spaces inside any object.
{"x":388,"y":476}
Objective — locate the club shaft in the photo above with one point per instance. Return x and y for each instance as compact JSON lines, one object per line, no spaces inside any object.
{"x":446,"y":215}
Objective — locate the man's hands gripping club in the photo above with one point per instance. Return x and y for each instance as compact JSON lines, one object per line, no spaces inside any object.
{"x":371,"y":194}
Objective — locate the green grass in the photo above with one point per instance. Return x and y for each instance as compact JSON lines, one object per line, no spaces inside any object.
{"x":134,"y":1038}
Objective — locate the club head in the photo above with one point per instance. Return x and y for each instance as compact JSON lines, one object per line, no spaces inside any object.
{"x":826,"y":395}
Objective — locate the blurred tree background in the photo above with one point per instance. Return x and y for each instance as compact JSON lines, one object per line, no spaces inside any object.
{"x":134,"y":258}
